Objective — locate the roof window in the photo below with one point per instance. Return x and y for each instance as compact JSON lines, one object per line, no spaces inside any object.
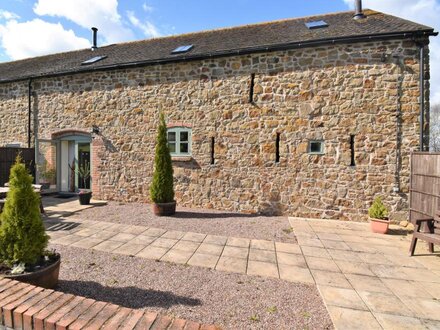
{"x":316,"y":25}
{"x":93,"y":60}
{"x":182,"y":49}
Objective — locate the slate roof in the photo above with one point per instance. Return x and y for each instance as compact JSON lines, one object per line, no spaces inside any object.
{"x":283,"y":34}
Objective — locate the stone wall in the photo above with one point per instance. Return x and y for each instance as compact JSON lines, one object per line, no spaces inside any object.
{"x":326,"y":93}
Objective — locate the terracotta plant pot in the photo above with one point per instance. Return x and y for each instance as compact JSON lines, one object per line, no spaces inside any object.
{"x":379,"y":226}
{"x":46,"y":277}
{"x":163,"y":209}
{"x":85,"y":197}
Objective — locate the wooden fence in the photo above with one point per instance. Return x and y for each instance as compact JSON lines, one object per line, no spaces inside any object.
{"x":7,"y":159}
{"x":425,"y":185}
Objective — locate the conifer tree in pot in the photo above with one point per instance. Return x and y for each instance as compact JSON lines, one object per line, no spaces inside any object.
{"x":378,"y":214}
{"x":161,"y":189}
{"x":23,"y":241}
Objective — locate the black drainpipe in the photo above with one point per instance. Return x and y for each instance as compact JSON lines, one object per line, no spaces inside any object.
{"x":422,"y":94}
{"x":29,"y":111}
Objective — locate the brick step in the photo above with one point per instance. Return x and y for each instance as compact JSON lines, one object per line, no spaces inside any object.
{"x":24,"y":306}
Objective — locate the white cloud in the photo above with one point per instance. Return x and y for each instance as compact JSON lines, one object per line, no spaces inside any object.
{"x":7,"y":15}
{"x":102,"y":14}
{"x":425,"y":12}
{"x":147,"y":8}
{"x":147,"y":27}
{"x":37,"y":37}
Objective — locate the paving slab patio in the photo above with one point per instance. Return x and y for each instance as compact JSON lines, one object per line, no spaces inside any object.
{"x":366,"y":280}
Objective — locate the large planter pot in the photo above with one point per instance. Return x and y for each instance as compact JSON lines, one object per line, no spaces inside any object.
{"x":163,"y":209}
{"x":85,"y":197}
{"x":46,"y":277}
{"x":379,"y":226}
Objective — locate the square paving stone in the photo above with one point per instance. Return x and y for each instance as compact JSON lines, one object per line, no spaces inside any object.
{"x":344,"y":255}
{"x":154,"y":232}
{"x":295,"y":274}
{"x":177,"y":256}
{"x":135,"y":230}
{"x":385,"y":303}
{"x":373,"y":258}
{"x":67,"y":240}
{"x":431,"y":324}
{"x":322,"y":264}
{"x":129,"y":249}
{"x":311,"y":242}
{"x":337,"y":245}
{"x":347,"y":318}
{"x":87,"y":243}
{"x":341,"y":297}
{"x":323,"y":277}
{"x":144,"y":240}
{"x":262,"y":255}
{"x":123,"y":237}
{"x":291,"y":259}
{"x":421,"y":275}
{"x":108,"y":246}
{"x":104,"y":234}
{"x":348,"y":267}
{"x":86,"y":232}
{"x":386,"y":271}
{"x":207,"y":248}
{"x":230,"y":264}
{"x":389,"y":321}
{"x":424,"y":308}
{"x":186,"y":246}
{"x":315,"y":252}
{"x":367,"y":283}
{"x":260,"y":268}
{"x":361,"y":247}
{"x":239,"y":242}
{"x":164,"y":242}
{"x":287,"y":248}
{"x":152,"y":252}
{"x":235,"y":252}
{"x":203,"y":260}
{"x":262,"y":245}
{"x":214,"y":239}
{"x":173,"y":234}
{"x":194,"y":237}
{"x":329,"y":236}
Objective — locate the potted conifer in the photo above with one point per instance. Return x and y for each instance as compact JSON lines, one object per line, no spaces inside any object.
{"x":23,"y":240}
{"x":378,"y":214}
{"x":85,"y":194}
{"x":161,"y":189}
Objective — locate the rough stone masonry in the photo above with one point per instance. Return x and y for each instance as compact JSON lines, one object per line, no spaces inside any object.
{"x":358,"y":98}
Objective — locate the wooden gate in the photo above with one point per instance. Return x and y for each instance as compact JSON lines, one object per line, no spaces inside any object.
{"x":425,"y":185}
{"x":7,"y":159}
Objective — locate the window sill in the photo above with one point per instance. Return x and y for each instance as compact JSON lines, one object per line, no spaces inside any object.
{"x":181,"y":158}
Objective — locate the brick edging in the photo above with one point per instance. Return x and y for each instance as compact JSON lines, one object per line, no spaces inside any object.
{"x":24,"y":306}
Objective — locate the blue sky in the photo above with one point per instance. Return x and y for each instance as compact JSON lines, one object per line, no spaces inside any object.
{"x":36,"y":27}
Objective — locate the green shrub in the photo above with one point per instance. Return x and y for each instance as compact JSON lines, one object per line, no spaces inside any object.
{"x":378,"y":210}
{"x":161,"y":189}
{"x":22,"y":235}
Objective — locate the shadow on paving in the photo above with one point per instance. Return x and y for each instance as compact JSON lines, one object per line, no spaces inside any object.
{"x":202,"y":215}
{"x":130,"y":297}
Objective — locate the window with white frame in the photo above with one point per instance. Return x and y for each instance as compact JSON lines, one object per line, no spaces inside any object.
{"x":316,"y":147}
{"x":179,"y":141}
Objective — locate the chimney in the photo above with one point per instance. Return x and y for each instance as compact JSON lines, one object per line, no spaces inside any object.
{"x":358,"y":13}
{"x":95,"y":37}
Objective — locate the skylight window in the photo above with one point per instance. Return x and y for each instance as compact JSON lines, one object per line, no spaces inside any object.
{"x":93,"y":60}
{"x":316,"y":25}
{"x":182,"y":49}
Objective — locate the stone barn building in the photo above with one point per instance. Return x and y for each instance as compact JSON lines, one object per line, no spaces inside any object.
{"x":308,"y":117}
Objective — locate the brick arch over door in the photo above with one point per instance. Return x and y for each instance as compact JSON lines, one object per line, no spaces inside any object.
{"x":69,"y":132}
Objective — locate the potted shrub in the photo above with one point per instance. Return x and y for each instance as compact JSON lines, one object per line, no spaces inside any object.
{"x":23,"y":240}
{"x":161,"y":189}
{"x":378,"y":214}
{"x":84,"y":194}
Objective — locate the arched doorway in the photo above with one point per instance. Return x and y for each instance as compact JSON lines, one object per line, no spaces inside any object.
{"x":64,"y":161}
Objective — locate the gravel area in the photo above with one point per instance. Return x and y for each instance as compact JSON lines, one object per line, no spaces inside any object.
{"x":194,"y":220}
{"x":231,"y":301}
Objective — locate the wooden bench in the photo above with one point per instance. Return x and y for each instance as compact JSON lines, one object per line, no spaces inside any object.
{"x":432,"y":236}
